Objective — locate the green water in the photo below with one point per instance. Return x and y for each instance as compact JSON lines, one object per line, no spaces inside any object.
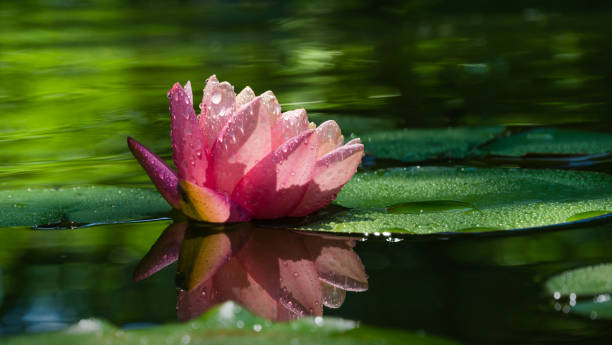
{"x":76,"y":78}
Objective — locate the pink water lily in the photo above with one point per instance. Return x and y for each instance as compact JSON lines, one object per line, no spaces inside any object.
{"x":242,"y":158}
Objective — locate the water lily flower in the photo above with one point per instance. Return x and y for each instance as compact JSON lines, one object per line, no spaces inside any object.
{"x":242,"y":158}
{"x":276,"y":274}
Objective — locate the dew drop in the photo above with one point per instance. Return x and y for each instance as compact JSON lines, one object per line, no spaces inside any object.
{"x":216,"y":98}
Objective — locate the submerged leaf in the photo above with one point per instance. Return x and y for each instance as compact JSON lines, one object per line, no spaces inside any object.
{"x":435,"y":199}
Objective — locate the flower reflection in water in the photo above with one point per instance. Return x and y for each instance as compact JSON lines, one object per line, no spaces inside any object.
{"x":276,"y":274}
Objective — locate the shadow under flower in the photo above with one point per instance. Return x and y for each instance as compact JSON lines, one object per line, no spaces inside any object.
{"x":278,"y":274}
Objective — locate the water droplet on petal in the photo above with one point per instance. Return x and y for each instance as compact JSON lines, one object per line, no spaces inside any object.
{"x":216,"y":97}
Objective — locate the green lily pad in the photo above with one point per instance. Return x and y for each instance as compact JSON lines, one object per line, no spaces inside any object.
{"x":74,"y":206}
{"x":411,"y":145}
{"x":230,"y":324}
{"x":588,"y":288}
{"x":550,"y":140}
{"x":438,"y":199}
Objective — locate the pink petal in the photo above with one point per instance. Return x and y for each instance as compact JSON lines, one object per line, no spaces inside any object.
{"x":164,"y":252}
{"x":190,"y":156}
{"x":245,"y":140}
{"x":337,"y":263}
{"x":331,"y":172}
{"x":205,"y":204}
{"x":329,"y":136}
{"x":245,"y":96}
{"x":275,"y":185}
{"x":217,"y":107}
{"x":279,"y":262}
{"x":233,"y":282}
{"x":211,"y":83}
{"x":163,"y":177}
{"x":353,"y":141}
{"x":270,"y":103}
{"x":188,"y":91}
{"x":290,"y":124}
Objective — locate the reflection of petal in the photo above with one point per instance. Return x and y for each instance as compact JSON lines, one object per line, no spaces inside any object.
{"x":204,"y":252}
{"x":276,"y":184}
{"x":233,"y":282}
{"x":163,"y":252}
{"x":337,"y":263}
{"x":300,"y":284}
{"x":284,"y":314}
{"x":163,"y":177}
{"x":280,"y":263}
{"x":193,"y":303}
{"x":333,"y":297}
{"x":277,"y":274}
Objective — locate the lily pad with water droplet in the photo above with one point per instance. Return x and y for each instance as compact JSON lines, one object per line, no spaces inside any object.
{"x":439,"y":199}
{"x":412,"y":145}
{"x":230,"y":324}
{"x":77,"y":206}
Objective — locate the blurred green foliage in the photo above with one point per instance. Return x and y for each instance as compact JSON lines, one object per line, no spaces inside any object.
{"x":230,"y":324}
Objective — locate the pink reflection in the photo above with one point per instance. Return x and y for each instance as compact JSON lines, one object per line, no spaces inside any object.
{"x":276,"y":274}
